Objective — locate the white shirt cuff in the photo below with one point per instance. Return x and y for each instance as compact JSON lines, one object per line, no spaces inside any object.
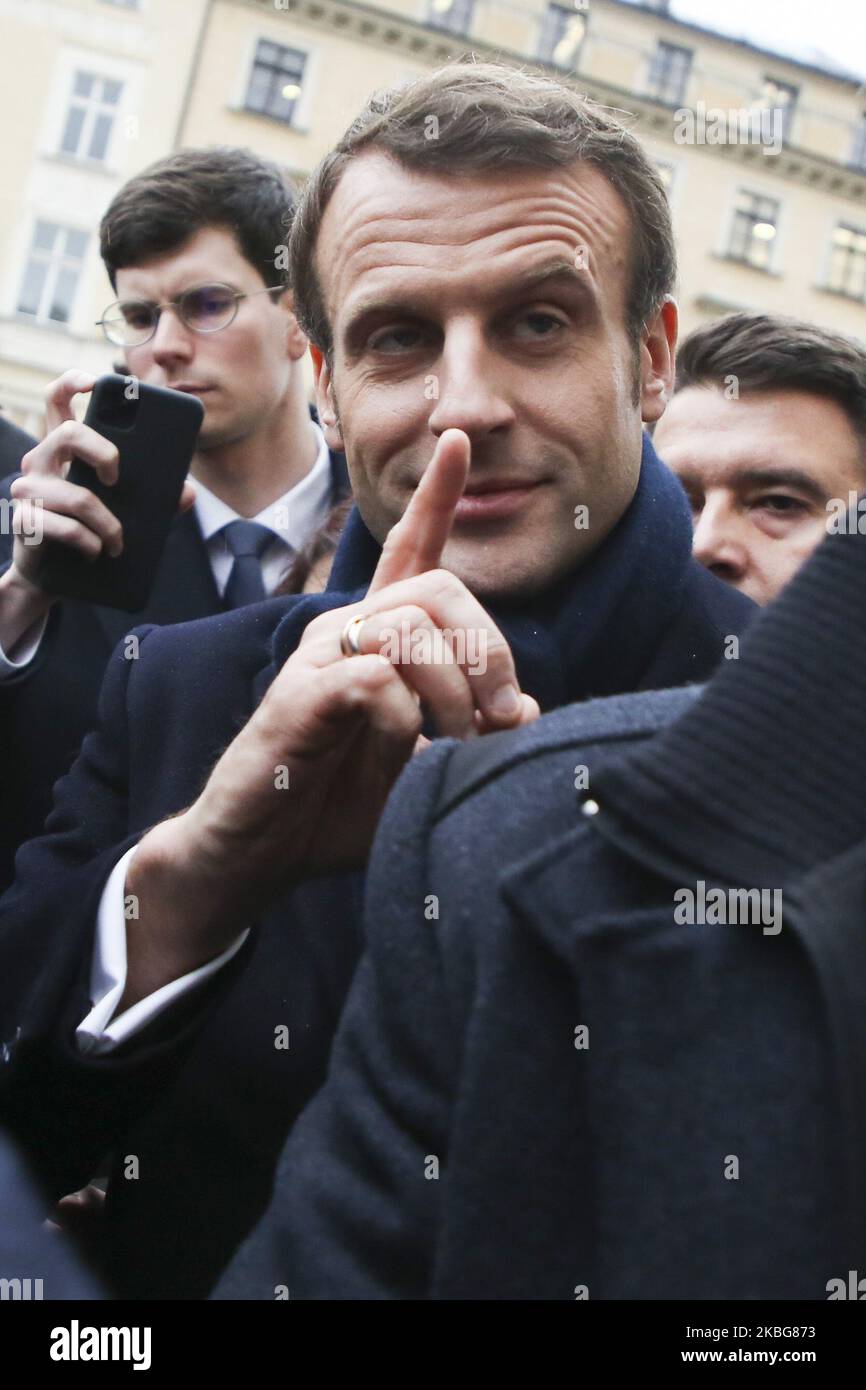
{"x":99,"y":1033}
{"x":25,"y":649}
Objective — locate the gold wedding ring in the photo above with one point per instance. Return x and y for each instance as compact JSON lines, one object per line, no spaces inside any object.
{"x":350,"y":637}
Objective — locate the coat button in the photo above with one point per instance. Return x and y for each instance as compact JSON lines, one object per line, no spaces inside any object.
{"x":590,"y":808}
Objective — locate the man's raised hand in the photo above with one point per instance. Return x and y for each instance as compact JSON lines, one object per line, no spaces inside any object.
{"x":300,"y":790}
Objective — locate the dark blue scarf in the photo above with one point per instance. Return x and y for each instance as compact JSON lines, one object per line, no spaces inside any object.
{"x":593,"y":633}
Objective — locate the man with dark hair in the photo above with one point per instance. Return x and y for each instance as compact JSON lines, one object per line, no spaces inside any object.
{"x":190,"y":246}
{"x":493,"y":325}
{"x":766,"y":428}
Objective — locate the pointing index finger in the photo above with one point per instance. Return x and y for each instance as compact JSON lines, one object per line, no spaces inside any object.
{"x":415,"y":544}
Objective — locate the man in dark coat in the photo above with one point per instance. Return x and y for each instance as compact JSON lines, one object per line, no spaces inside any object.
{"x":176,"y":951}
{"x":610,"y":1042}
{"x":196,"y":218}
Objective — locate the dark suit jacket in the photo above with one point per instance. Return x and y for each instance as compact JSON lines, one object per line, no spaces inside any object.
{"x":705,"y":1137}
{"x":205,"y":1098}
{"x":14,"y":444}
{"x":46,"y":711}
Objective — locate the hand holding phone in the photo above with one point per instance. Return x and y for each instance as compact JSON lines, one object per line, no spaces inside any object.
{"x":107,"y":489}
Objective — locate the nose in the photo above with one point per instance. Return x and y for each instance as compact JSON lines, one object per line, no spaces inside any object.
{"x":718,"y":542}
{"x":470,"y":390}
{"x":173,"y":341}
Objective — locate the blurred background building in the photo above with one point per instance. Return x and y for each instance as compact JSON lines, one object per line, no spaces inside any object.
{"x":94,"y":90}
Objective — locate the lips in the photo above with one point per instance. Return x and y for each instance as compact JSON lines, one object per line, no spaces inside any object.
{"x":191,"y":388}
{"x":494,"y":500}
{"x":481,"y":486}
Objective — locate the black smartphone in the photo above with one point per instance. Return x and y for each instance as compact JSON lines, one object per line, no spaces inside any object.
{"x":155,"y":431}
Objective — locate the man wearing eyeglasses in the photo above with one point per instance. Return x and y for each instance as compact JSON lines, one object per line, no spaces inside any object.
{"x":190,"y":247}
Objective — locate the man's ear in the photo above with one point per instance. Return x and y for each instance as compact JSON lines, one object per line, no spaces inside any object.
{"x":658,"y":361}
{"x":297,"y":341}
{"x":325,"y":404}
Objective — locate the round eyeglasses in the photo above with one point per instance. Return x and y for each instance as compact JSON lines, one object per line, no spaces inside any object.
{"x":204,"y":309}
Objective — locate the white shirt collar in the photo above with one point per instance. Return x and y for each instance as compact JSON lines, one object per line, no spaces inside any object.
{"x":294,"y":517}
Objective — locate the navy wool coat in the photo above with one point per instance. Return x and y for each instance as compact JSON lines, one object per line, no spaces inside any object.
{"x":203,"y":1097}
{"x":548,"y":1082}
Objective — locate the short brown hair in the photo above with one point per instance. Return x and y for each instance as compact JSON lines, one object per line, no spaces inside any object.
{"x":489,"y":117}
{"x":771,"y":352}
{"x":168,"y":202}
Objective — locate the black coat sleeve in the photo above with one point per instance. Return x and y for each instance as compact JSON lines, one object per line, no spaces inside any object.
{"x":355,"y":1206}
{"x":67,"y":1110}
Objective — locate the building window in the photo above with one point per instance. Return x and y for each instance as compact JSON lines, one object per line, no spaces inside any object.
{"x":92,"y":109}
{"x":52,"y":272}
{"x":858,"y":153}
{"x":779,"y":97}
{"x":562,"y":33}
{"x":455,"y":15}
{"x":753,"y":230}
{"x":669,"y":73}
{"x":275,"y":81}
{"x":847,"y":271}
{"x":123,"y":4}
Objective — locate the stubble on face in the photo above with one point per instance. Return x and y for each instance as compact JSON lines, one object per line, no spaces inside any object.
{"x":425,"y":280}
{"x":759,"y":489}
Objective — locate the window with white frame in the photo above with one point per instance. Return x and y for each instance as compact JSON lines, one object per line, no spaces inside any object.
{"x":858,"y":152}
{"x":669,"y":73}
{"x":93,"y":105}
{"x":563,"y":29}
{"x":753,"y":229}
{"x":276,"y":80}
{"x":52,"y":272}
{"x":846,"y":273}
{"x":454,"y":15}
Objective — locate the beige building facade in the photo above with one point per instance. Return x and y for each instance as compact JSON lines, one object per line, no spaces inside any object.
{"x":764,"y":156}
